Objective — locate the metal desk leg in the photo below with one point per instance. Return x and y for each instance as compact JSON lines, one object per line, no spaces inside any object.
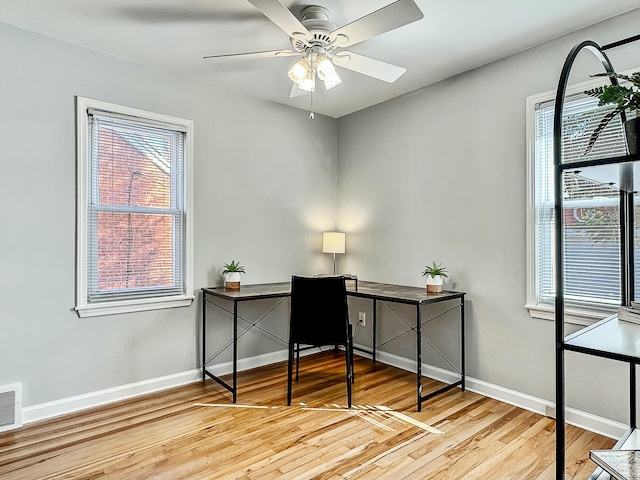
{"x":632,"y":396}
{"x":374,"y":331}
{"x":462,"y":345}
{"x":204,"y":334}
{"x":235,"y":351}
{"x":419,"y":357}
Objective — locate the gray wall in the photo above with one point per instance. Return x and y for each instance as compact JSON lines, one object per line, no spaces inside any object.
{"x":440,"y":174}
{"x":264,"y":187}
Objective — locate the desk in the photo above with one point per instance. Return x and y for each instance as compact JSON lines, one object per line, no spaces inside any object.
{"x":376,"y":292}
{"x":388,"y":293}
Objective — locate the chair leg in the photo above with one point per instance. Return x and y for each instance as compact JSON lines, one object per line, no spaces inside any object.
{"x":289,"y":373}
{"x":349,"y":374}
{"x":353,"y":372}
{"x":349,"y":357}
{"x":297,"y":360}
{"x":350,"y":347}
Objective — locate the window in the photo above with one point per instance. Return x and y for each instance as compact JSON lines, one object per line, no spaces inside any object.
{"x":134,"y":225}
{"x":591,"y":209}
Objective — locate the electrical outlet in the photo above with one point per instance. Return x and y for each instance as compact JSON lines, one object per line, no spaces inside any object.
{"x":362,"y":317}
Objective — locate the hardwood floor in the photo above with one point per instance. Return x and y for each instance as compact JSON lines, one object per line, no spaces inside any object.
{"x":193,"y":432}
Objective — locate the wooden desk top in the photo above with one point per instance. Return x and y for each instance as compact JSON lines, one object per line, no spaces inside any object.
{"x":401,"y":293}
{"x":252,"y":292}
{"x":373,"y":290}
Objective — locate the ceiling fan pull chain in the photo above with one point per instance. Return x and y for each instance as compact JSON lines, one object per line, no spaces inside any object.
{"x":311,"y":114}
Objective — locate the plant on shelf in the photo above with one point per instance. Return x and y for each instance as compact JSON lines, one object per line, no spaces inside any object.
{"x":231,"y":274}
{"x":435,"y":277}
{"x":626,"y":99}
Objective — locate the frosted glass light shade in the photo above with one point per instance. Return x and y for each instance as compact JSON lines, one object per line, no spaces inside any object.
{"x":333,"y":242}
{"x":308,"y":84}
{"x":325,"y":67}
{"x":299,"y":71}
{"x":331,"y":80}
{"x":327,"y":73}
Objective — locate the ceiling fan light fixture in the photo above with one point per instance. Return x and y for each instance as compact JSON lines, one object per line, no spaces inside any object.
{"x":327,"y":72}
{"x":324,"y":65}
{"x":330,"y":80}
{"x":299,"y":71}
{"x":308,"y":83}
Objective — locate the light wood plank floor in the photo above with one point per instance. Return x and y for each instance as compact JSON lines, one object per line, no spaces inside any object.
{"x":171,"y":435}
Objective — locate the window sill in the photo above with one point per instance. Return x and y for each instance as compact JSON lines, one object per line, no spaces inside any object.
{"x":113,"y":308}
{"x":572,"y":315}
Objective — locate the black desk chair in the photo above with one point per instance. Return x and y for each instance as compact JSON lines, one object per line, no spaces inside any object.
{"x":319,"y":316}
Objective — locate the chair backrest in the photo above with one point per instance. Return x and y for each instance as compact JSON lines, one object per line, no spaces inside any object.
{"x":319,"y":313}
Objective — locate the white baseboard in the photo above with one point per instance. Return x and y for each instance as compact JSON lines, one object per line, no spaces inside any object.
{"x":587,"y":421}
{"x":255,"y":362}
{"x":93,"y":399}
{"x":575,"y":417}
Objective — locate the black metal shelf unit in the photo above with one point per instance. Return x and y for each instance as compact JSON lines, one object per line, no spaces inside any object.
{"x":609,"y":337}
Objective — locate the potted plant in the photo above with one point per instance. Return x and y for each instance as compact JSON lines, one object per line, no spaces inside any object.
{"x":231,"y":274}
{"x":435,"y":275}
{"x":626,"y":99}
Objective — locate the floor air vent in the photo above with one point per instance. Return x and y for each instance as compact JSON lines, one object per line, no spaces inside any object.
{"x":10,"y":407}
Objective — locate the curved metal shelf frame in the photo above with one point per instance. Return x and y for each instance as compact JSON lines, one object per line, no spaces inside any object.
{"x":626,"y":243}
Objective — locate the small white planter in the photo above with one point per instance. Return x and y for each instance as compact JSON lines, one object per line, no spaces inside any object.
{"x":232,"y":280}
{"x":434,"y":284}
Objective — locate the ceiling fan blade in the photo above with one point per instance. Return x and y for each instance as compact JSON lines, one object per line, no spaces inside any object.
{"x":296,"y":92}
{"x":171,"y":14}
{"x":394,"y":15}
{"x":368,"y":66}
{"x":282,"y":17}
{"x":237,"y":57}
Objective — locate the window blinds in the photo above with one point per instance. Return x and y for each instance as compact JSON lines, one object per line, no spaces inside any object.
{"x":591,"y":207}
{"x":136,"y":209}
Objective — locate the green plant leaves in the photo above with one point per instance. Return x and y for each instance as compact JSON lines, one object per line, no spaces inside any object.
{"x":435,"y":270}
{"x":623,"y":97}
{"x":601,"y":126}
{"x":233,"y":267}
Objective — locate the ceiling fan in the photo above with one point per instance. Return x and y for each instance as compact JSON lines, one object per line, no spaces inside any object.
{"x":321,"y":45}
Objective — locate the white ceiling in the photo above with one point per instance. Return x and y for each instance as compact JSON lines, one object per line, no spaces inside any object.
{"x":453,"y":37}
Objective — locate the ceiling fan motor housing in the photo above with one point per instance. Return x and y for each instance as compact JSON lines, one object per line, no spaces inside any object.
{"x":316,"y":20}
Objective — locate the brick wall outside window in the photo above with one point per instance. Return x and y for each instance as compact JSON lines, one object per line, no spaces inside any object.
{"x":134,"y":249}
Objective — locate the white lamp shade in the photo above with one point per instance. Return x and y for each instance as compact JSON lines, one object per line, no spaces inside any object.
{"x":333,"y":242}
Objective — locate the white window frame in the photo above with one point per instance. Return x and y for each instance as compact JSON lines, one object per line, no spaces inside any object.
{"x":577,"y":316}
{"x":83,"y":307}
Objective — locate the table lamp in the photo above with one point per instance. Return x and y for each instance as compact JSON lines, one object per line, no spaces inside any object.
{"x":333,"y":242}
